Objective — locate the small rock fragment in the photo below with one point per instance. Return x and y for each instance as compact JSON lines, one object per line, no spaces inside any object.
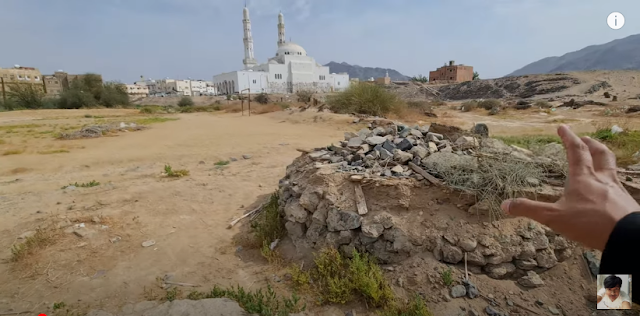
{"x":458,"y":291}
{"x":148,"y":243}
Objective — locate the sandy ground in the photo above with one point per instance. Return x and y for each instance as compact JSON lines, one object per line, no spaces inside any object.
{"x":186,"y":217}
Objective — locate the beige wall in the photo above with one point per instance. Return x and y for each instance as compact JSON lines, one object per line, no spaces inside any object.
{"x":22,"y":75}
{"x":455,"y":73}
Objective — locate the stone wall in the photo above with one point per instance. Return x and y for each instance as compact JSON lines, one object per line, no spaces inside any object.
{"x":283,"y":87}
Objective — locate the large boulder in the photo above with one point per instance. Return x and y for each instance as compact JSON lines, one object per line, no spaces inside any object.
{"x":531,"y":280}
{"x":295,"y":212}
{"x":499,"y":271}
{"x":338,"y":220}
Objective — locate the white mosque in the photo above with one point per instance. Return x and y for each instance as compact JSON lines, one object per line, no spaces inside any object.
{"x":289,"y":71}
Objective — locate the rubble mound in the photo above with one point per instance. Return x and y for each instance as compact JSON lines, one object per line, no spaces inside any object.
{"x":395,"y":191}
{"x":516,"y":87}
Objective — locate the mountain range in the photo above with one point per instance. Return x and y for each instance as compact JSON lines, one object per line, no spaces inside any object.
{"x":365,"y":73}
{"x":620,"y":54}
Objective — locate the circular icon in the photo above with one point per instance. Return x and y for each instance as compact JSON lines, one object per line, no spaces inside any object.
{"x":615,"y":20}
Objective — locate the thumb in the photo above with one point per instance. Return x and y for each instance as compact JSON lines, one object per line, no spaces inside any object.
{"x":538,"y":211}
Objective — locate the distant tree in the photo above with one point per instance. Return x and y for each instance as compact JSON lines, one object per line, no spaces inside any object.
{"x":476,"y":75}
{"x":25,"y":95}
{"x":262,"y":98}
{"x":114,"y":94}
{"x":420,"y":78}
{"x":185,"y":101}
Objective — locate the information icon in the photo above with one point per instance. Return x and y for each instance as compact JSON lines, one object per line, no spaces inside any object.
{"x":615,"y":20}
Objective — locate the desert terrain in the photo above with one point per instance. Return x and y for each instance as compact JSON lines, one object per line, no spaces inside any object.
{"x":235,"y":162}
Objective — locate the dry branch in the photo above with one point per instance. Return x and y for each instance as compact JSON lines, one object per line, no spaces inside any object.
{"x":235,"y":221}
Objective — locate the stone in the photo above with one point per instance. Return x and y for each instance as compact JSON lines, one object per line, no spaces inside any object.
{"x":528,"y":264}
{"x":476,"y":258}
{"x":246,"y":156}
{"x":310,"y":199}
{"x":466,"y":142}
{"x":372,"y":229}
{"x":397,"y":169}
{"x":446,"y":150}
{"x":432,"y":147}
{"x":546,"y":258}
{"x":148,"y":243}
{"x":451,"y":254}
{"x":379,"y":131}
{"x":316,"y":231}
{"x":563,"y":254}
{"x":467,"y":244}
{"x":338,"y":220}
{"x":337,"y":239}
{"x":404,"y":145}
{"x":527,"y":251}
{"x":83,"y":232}
{"x":336,"y":159}
{"x":389,"y":146}
{"x":473,"y":312}
{"x":95,"y":219}
{"x":554,"y":310}
{"x":364,"y":133}
{"x":492,"y":311}
{"x":295,"y":212}
{"x":449,"y":161}
{"x":531,"y":280}
{"x":495,"y":146}
{"x":354,"y":142}
{"x":366,"y":240}
{"x":320,"y":215}
{"x":295,"y":229}
{"x":499,"y":271}
{"x":27,"y":234}
{"x":419,"y":152}
{"x":560,"y":243}
{"x":480,"y":129}
{"x":540,"y":241}
{"x":471,"y":289}
{"x":434,"y":137}
{"x":375,"y":140}
{"x":316,"y":155}
{"x":522,"y":150}
{"x":385,"y":219}
{"x":521,"y":156}
{"x":458,"y":291}
{"x":364,"y":148}
{"x":401,"y":156}
{"x":349,"y":135}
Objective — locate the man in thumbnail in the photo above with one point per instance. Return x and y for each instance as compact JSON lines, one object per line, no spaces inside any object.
{"x":611,"y":297}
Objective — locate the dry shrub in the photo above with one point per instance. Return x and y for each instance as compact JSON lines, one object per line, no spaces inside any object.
{"x":41,"y":239}
{"x":304,"y":95}
{"x":495,"y":180}
{"x":542,"y":104}
{"x":468,"y":106}
{"x":262,"y":98}
{"x":267,"y":108}
{"x":366,"y":99}
{"x":489,"y":104}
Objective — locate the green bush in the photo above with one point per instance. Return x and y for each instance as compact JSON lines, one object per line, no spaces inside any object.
{"x":262,"y":98}
{"x":76,"y":98}
{"x":114,"y":94}
{"x":304,"y":95}
{"x":489,"y":104}
{"x":420,"y":78}
{"x":185,"y":101}
{"x":367,"y":99}
{"x":26,"y":96}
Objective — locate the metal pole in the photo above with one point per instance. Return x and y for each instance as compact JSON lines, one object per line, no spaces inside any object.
{"x":4,"y":95}
{"x":241,"y":104}
{"x":249,"y":101}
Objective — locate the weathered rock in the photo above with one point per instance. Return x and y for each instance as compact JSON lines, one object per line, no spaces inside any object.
{"x":458,"y":291}
{"x":354,"y":142}
{"x":546,"y":258}
{"x":466,"y":142}
{"x":316,"y":231}
{"x":379,"y":131}
{"x":320,"y":215}
{"x":527,"y":251}
{"x":526,"y":265}
{"x":376,"y":140}
{"x":384,"y":154}
{"x":336,"y":239}
{"x":84,"y":232}
{"x":349,"y":135}
{"x":310,"y":199}
{"x":433,"y":147}
{"x":295,"y":212}
{"x":246,"y":156}
{"x":554,"y":151}
{"x":435,"y":137}
{"x":366,"y":240}
{"x":451,"y":254}
{"x":476,"y":258}
{"x":372,"y":229}
{"x":397,"y":169}
{"x":521,"y":156}
{"x":385,"y":219}
{"x":364,"y":133}
{"x":389,"y":146}
{"x":316,"y":155}
{"x":338,"y":220}
{"x":481,"y":129}
{"x":499,"y":271}
{"x":295,"y":229}
{"x":560,"y":243}
{"x":553,"y":310}
{"x":563,"y":254}
{"x":531,"y":280}
{"x":471,"y":289}
{"x":467,"y":244}
{"x":419,"y":152}
{"x":401,"y":156}
{"x":540,"y":241}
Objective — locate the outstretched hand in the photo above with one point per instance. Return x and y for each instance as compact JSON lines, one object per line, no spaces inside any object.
{"x":594,"y":200}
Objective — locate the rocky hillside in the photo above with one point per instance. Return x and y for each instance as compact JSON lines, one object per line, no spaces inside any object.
{"x":620,"y":54}
{"x":365,"y":73}
{"x":515,"y":87}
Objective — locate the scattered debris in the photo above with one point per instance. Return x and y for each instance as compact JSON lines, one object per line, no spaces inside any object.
{"x":246,"y":156}
{"x":95,"y":131}
{"x":255,"y":211}
{"x":148,"y":243}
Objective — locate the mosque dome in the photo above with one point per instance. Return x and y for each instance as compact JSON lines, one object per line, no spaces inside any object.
{"x":290,"y":48}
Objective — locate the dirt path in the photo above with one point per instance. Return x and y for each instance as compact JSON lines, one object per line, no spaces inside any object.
{"x":186,"y":217}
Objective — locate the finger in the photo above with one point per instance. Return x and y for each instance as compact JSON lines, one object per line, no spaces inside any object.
{"x":578,"y":154}
{"x":603,"y":158}
{"x":538,"y":211}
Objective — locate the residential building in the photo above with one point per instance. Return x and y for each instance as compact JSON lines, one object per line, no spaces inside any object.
{"x":384,"y":80}
{"x":198,"y":87}
{"x":53,"y":85}
{"x":451,"y":73}
{"x":19,"y":75}
{"x":61,"y":81}
{"x":169,"y":87}
{"x":136,"y":90}
{"x":291,"y":69}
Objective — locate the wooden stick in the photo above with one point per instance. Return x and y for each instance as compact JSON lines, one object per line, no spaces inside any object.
{"x":466,"y":272}
{"x":425,"y":174}
{"x":235,"y":221}
{"x":361,"y":203}
{"x":302,"y":150}
{"x":181,"y":284}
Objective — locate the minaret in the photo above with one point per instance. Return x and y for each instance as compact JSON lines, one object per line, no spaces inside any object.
{"x":281,"y":39}
{"x":248,"y":60}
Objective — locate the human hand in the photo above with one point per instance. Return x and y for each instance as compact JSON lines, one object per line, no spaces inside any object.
{"x":594,"y":200}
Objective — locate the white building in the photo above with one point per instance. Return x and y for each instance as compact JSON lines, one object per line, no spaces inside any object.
{"x":198,"y":87}
{"x":289,"y":71}
{"x":169,"y":87}
{"x":136,"y":90}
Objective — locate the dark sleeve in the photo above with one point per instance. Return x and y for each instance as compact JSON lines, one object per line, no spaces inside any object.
{"x":618,"y":256}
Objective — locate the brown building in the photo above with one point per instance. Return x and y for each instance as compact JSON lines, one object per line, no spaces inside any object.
{"x":19,"y":75}
{"x":60,"y":81}
{"x":386,"y":80}
{"x":451,"y":73}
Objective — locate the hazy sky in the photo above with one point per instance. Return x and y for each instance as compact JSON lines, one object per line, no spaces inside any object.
{"x":123,"y":39}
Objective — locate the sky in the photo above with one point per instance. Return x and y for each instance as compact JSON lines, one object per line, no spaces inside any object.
{"x":126,"y":39}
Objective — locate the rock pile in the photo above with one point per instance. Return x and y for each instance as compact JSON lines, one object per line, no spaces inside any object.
{"x":319,"y":200}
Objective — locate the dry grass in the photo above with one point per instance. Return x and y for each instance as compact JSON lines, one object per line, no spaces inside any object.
{"x":40,"y":240}
{"x":13,"y":152}
{"x":53,"y":151}
{"x":266,"y":108}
